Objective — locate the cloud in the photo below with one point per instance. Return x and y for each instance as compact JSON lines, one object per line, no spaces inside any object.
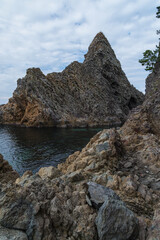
{"x":50,"y":34}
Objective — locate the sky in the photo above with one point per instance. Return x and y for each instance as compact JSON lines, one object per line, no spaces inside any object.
{"x":50,"y":34}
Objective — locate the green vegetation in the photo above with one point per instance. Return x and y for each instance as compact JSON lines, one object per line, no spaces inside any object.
{"x":158,"y":12}
{"x":151,"y":57}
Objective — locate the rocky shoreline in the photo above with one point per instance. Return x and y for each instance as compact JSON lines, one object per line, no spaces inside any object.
{"x":108,"y":191}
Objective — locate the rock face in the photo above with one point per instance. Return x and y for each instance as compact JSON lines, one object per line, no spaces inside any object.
{"x":109,"y":190}
{"x":6,"y":172}
{"x":10,"y":234}
{"x":153,"y":81}
{"x":154,"y":231}
{"x":95,"y":92}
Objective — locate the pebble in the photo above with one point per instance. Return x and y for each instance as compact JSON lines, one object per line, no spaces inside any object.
{"x":128,"y":165}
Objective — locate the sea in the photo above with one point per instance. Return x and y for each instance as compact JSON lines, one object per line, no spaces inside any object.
{"x":33,"y":148}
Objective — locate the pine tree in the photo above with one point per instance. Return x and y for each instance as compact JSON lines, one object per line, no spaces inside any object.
{"x":151,"y":57}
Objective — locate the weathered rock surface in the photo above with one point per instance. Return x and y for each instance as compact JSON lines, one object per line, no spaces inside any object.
{"x":127,"y":160}
{"x":10,"y":234}
{"x":55,"y":204}
{"x":54,"y":208}
{"x":109,"y":190}
{"x":98,"y":194}
{"x":95,"y":92}
{"x":153,"y":81}
{"x":154,"y":231}
{"x":6,"y":172}
{"x":116,"y":221}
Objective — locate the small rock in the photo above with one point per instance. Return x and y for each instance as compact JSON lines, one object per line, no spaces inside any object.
{"x":98,"y":194}
{"x":75,"y":176}
{"x":143,"y":190}
{"x":49,"y":172}
{"x":102,"y":147}
{"x":128,"y":165}
{"x":129,"y":185}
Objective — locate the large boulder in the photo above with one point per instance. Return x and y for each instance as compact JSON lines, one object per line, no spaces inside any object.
{"x":116,"y":221}
{"x":95,"y":92}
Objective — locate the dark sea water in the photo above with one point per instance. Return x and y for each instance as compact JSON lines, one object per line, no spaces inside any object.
{"x":33,"y":148}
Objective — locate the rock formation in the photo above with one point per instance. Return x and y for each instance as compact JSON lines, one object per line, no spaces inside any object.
{"x":153,"y":81}
{"x":6,"y":172}
{"x":95,"y":92}
{"x":109,"y":190}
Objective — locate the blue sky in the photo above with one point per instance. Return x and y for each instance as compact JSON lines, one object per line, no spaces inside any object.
{"x":50,"y":34}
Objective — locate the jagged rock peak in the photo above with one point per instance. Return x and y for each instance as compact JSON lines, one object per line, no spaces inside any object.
{"x":100,"y":51}
{"x":34,"y":71}
{"x":95,"y":92}
{"x":100,"y":37}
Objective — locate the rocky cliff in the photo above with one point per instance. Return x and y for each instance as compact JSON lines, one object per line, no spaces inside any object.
{"x":95,"y":92}
{"x":109,"y":190}
{"x":153,"y":81}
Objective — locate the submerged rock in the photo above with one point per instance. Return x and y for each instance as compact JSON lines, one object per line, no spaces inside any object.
{"x":95,"y":92}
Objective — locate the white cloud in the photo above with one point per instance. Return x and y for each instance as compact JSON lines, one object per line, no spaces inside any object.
{"x":50,"y":34}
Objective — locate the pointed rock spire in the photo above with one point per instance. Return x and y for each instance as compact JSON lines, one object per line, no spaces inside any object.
{"x":99,"y":38}
{"x":100,"y":49}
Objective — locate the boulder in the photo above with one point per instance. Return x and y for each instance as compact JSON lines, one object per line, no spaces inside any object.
{"x":116,"y":221}
{"x":49,"y":172}
{"x":98,"y":194}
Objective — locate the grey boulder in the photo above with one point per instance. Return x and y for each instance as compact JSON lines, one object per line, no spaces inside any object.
{"x":116,"y":222}
{"x":97,"y":194}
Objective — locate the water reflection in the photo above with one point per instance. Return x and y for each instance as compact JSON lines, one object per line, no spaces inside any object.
{"x":32,"y":148}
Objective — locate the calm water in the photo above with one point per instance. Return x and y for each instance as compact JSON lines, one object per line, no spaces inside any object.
{"x":31,"y":149}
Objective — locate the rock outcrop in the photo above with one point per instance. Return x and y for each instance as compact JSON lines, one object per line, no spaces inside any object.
{"x":109,"y":190}
{"x":6,"y":172}
{"x":153,"y":81}
{"x":95,"y":92}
